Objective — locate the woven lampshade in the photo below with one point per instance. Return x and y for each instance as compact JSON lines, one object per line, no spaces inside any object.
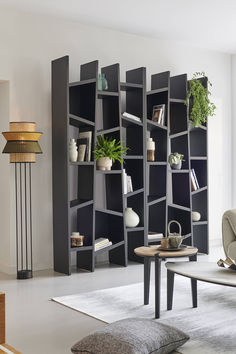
{"x":22,"y":142}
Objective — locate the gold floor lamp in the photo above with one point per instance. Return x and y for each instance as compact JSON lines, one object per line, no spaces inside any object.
{"x":22,"y":145}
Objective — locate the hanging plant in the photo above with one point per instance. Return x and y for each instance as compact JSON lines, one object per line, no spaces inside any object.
{"x":202,"y":106}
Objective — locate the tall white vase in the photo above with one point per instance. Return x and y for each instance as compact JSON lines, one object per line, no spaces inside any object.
{"x":73,"y":151}
{"x":131,"y":218}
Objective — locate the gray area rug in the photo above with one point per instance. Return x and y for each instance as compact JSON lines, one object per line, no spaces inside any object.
{"x":211,"y":326}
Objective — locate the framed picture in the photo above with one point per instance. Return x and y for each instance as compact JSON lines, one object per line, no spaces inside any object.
{"x":158,"y":114}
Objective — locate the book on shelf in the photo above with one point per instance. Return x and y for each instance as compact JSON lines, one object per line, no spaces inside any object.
{"x":194,"y":181}
{"x":154,"y":235}
{"x":127,"y":183}
{"x":131,"y":116}
{"x":87,"y":135}
{"x":101,"y":242}
{"x":83,"y":149}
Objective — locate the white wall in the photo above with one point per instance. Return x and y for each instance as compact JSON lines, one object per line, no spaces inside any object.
{"x":28,"y":43}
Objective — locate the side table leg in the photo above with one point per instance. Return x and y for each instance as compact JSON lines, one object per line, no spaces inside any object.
{"x":170,"y":288}
{"x":157,"y":286}
{"x":147,"y":271}
{"x":194,"y":284}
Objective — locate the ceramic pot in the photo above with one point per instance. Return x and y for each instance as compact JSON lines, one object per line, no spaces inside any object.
{"x":176,"y":166}
{"x":196,"y":216}
{"x":104,"y":164}
{"x":150,"y":149}
{"x":73,"y":151}
{"x":131,"y":218}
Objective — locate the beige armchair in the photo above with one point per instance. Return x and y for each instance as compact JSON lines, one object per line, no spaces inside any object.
{"x":229,"y":233}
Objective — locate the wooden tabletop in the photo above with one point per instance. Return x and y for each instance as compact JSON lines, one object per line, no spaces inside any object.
{"x":151,"y":251}
{"x":205,"y":271}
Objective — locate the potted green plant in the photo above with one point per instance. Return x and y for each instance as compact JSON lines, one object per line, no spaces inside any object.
{"x":202,"y":107}
{"x":175,"y":160}
{"x":108,"y":151}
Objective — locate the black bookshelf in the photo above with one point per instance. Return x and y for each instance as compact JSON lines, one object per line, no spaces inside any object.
{"x":93,"y":202}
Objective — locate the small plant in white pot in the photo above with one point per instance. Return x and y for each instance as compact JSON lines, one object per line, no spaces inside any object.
{"x":108,"y":151}
{"x":175,"y":160}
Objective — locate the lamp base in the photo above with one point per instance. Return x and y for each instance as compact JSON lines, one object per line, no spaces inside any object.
{"x":24,"y":274}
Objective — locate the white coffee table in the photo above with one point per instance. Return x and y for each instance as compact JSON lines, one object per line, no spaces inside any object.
{"x":203,"y":271}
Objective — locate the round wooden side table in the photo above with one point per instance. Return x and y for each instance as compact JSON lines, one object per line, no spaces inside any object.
{"x":152,"y":252}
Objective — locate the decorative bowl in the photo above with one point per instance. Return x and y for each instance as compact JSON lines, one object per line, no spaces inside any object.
{"x":175,"y":241}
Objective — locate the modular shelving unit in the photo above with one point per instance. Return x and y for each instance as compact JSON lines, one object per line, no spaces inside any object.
{"x":93,"y":202}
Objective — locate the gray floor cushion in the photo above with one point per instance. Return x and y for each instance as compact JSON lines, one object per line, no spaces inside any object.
{"x":132,"y":336}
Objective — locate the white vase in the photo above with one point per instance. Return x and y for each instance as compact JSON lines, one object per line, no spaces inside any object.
{"x":73,"y":151}
{"x":196,"y":216}
{"x":104,"y":164}
{"x":131,"y":218}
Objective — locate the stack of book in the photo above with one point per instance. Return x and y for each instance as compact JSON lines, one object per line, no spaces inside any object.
{"x":101,"y":242}
{"x":127,"y":183}
{"x":194,"y":181}
{"x":154,"y":235}
{"x":84,"y":146}
{"x":131,"y":116}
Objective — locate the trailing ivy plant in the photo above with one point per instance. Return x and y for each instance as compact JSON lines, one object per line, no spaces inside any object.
{"x":108,"y":147}
{"x":202,"y":106}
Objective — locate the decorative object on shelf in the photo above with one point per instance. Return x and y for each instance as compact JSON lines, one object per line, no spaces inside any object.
{"x":107,"y":152}
{"x":150,"y":150}
{"x":158,"y":114}
{"x":22,"y":145}
{"x":77,"y":240}
{"x":73,"y":150}
{"x":202,"y":106}
{"x":101,"y":243}
{"x":81,"y":152}
{"x":175,"y":238}
{"x":196,"y":216}
{"x":83,"y":149}
{"x":88,"y":138}
{"x":175,"y":160}
{"x":102,"y":82}
{"x":165,"y":242}
{"x":131,"y":218}
{"x":129,"y":184}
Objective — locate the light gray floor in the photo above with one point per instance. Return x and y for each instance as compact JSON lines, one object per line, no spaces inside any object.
{"x":36,"y":325}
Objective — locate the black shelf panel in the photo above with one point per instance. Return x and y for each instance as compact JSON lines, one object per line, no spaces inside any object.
{"x":110,"y":212}
{"x":109,"y":248}
{"x":83,"y":82}
{"x":130,"y":194}
{"x":180,"y":207}
{"x":107,"y":131}
{"x":127,"y":86}
{"x":156,"y":185}
{"x":157,"y":217}
{"x":199,"y":223}
{"x":172,"y":136}
{"x":199,"y":190}
{"x":107,"y":94}
{"x":133,"y":157}
{"x":155,"y":126}
{"x":109,"y":172}
{"x":81,"y":249}
{"x":80,"y":203}
{"x":157,"y":163}
{"x":179,"y":171}
{"x":160,"y":90}
{"x":79,"y":121}
{"x":127,"y":122}
{"x":198,"y":143}
{"x":134,"y":229}
{"x":152,"y":199}
{"x":82,"y":163}
{"x":176,"y":100}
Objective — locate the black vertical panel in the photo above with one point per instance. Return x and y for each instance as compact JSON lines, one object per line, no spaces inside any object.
{"x":112,"y":74}
{"x":60,"y":92}
{"x":178,"y":87}
{"x":160,"y":80}
{"x":89,"y":70}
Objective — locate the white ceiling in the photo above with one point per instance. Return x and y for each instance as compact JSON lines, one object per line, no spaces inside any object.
{"x":203,"y":23}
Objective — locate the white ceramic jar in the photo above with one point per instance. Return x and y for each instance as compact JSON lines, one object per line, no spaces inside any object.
{"x":73,"y":151}
{"x":131,"y":218}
